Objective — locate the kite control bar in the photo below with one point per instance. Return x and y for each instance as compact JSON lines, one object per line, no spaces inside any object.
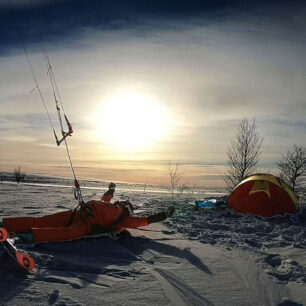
{"x":65,"y":134}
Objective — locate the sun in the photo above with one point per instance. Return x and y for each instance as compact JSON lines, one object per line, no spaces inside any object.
{"x":132,"y":121}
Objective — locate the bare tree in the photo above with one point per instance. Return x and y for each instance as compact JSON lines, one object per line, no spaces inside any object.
{"x":191,"y":190}
{"x":19,"y":175}
{"x":243,"y":154}
{"x":175,"y":176}
{"x":181,"y":189}
{"x":293,"y":168}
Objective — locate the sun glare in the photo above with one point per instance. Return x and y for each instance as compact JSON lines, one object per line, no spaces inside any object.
{"x":132,"y":121}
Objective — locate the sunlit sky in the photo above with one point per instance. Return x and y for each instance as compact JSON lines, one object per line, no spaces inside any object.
{"x":145,"y":82}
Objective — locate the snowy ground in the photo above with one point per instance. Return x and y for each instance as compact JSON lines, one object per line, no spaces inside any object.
{"x":196,"y":258}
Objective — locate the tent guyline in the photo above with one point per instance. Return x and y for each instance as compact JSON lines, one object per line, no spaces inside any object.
{"x":57,"y":99}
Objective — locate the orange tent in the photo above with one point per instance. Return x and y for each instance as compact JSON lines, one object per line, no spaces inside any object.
{"x":264,"y":195}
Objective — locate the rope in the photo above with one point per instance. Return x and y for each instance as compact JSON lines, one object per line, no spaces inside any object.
{"x":36,"y":83}
{"x":56,"y":95}
{"x":55,"y":90}
{"x":33,"y":73}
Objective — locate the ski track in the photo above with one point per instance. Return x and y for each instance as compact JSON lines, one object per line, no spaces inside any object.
{"x":175,"y":289}
{"x":190,"y":295}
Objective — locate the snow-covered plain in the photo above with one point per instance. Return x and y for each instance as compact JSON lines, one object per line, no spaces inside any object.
{"x":204,"y":257}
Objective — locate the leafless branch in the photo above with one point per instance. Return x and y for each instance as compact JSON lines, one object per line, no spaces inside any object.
{"x":175,"y":176}
{"x":243,"y":153}
{"x":293,"y":168}
{"x":19,"y":175}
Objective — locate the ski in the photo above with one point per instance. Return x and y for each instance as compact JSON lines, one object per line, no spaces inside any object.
{"x":3,"y":234}
{"x":24,"y":260}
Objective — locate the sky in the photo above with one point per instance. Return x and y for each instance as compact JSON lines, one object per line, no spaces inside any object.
{"x":148,"y":82}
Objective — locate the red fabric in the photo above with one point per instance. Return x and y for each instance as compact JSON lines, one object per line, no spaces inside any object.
{"x":107,"y":196}
{"x":259,"y":203}
{"x":133,"y":222}
{"x":54,"y":227}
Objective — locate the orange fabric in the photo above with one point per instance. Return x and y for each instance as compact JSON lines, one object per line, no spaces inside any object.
{"x":20,"y":224}
{"x":81,"y":226}
{"x":54,"y":227}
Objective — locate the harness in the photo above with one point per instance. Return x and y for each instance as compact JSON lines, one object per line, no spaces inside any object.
{"x":83,"y":206}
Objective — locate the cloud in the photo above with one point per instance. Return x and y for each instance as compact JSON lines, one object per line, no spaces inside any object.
{"x":21,"y":138}
{"x":59,"y":21}
{"x":211,"y":64}
{"x":28,"y":121}
{"x":11,"y":4}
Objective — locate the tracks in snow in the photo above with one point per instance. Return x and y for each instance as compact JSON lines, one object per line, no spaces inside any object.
{"x":189,"y":295}
{"x":179,"y":293}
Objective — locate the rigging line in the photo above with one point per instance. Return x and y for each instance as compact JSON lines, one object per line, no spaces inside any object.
{"x":46,"y":55}
{"x":37,"y":85}
{"x":55,"y":84}
{"x":37,"y":11}
{"x":52,"y":79}
{"x":55,"y":90}
{"x":70,"y":160}
{"x":77,"y":186}
{"x":33,"y":73}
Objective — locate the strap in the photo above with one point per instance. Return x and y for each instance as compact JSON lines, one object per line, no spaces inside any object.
{"x":72,"y":217}
{"x":84,"y":207}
